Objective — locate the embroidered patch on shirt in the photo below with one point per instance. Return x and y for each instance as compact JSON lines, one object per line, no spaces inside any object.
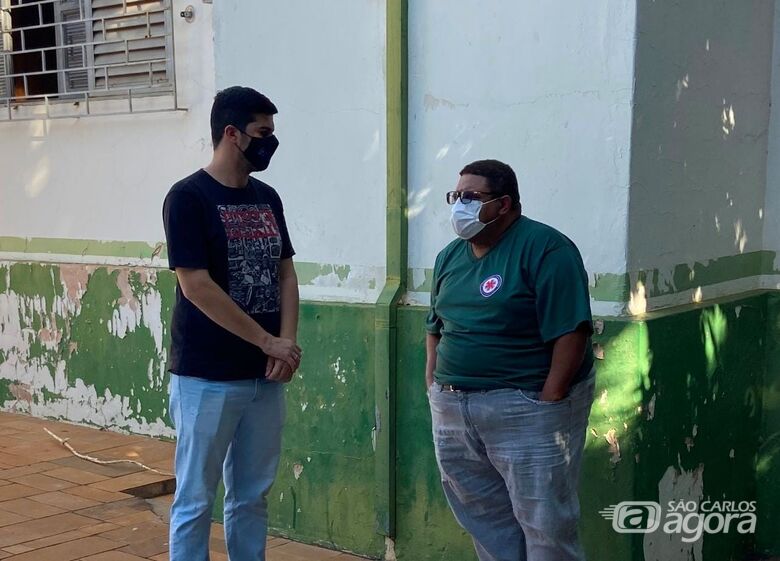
{"x":490,"y":285}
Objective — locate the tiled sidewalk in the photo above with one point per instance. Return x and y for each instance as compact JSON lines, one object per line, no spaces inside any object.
{"x":56,"y":507}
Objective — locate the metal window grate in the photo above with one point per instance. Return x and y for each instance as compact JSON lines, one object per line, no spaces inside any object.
{"x":71,"y":58}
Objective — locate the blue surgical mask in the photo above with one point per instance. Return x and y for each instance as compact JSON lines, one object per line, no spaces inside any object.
{"x":465,"y":218}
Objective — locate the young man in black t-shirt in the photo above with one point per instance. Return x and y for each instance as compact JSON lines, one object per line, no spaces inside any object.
{"x":233,"y":332}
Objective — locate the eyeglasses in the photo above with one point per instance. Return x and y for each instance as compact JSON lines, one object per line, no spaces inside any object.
{"x":466,"y":196}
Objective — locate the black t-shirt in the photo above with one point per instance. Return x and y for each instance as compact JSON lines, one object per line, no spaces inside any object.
{"x":240,"y":237}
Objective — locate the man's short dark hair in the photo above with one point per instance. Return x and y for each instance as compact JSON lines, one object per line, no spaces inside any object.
{"x":500,"y":178}
{"x":237,"y":106}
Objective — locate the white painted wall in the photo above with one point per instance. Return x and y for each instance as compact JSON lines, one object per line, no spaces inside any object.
{"x":543,"y":86}
{"x":322,"y":64}
{"x":105,"y":177}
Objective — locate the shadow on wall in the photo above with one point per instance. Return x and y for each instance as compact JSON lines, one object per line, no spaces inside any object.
{"x":699,"y":133}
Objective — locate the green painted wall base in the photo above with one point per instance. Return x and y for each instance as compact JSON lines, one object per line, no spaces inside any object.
{"x":768,"y":461}
{"x":324,"y":490}
{"x":679,"y":397}
{"x":688,"y":402}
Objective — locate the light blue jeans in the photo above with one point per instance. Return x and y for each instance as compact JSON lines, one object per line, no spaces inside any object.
{"x":510,"y":466}
{"x":231,"y":430}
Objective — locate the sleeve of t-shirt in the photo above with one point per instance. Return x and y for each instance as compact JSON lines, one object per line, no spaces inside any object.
{"x":287,"y":248}
{"x":562,"y":298}
{"x":433,"y":323}
{"x":185,"y":231}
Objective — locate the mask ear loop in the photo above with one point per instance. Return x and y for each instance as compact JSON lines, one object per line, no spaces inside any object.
{"x":242,"y":132}
{"x":483,"y":203}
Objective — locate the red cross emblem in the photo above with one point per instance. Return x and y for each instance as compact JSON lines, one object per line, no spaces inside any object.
{"x":490,"y":285}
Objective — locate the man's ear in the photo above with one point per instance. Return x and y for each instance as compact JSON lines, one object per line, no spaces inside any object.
{"x":232,"y":134}
{"x":506,"y":204}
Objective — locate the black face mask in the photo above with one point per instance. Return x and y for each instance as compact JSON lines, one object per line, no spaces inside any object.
{"x":260,"y":151}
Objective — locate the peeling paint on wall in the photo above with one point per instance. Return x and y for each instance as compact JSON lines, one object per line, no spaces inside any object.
{"x":614,"y":446}
{"x":339,"y":282}
{"x":675,"y":285}
{"x":61,"y":330}
{"x":676,"y":485}
{"x":651,"y":408}
{"x":390,"y":550}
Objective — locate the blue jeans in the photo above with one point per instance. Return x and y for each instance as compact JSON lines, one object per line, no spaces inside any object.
{"x":231,"y":430}
{"x":510,"y":466}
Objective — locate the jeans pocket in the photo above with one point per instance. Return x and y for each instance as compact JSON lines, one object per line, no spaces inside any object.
{"x":533,"y":397}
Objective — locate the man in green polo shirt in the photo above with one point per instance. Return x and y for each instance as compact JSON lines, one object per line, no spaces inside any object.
{"x":509,"y":372}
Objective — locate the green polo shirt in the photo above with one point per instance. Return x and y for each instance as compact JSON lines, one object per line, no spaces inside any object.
{"x":499,"y":315}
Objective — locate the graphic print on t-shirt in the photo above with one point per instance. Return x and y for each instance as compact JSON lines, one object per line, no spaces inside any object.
{"x":254,"y":249}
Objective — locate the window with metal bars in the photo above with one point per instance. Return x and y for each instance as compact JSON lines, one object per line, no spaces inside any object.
{"x":65,"y":58}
